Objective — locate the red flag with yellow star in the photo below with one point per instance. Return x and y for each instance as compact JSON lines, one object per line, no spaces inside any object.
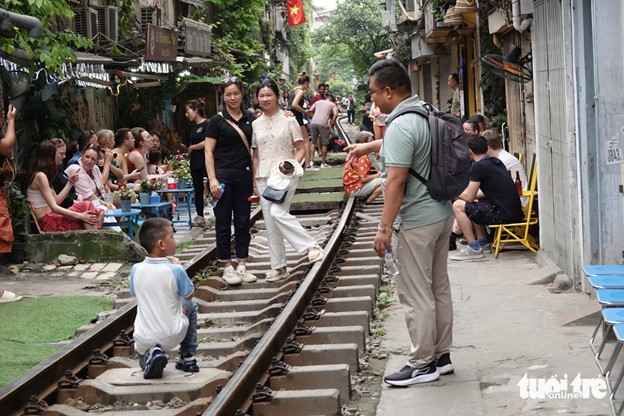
{"x":296,"y":16}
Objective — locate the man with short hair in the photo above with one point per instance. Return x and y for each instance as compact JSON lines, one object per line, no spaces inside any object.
{"x":124,"y":142}
{"x":498,"y":201}
{"x":453,"y":83}
{"x":323,"y":119}
{"x":424,"y":227}
{"x":351,"y":104}
{"x":321,"y":93}
{"x":513,"y":165}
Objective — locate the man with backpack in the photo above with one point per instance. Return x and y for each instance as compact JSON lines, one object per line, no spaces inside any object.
{"x":424,"y":226}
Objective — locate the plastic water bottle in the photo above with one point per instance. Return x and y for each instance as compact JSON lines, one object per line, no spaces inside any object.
{"x":212,"y":202}
{"x":392,"y":265}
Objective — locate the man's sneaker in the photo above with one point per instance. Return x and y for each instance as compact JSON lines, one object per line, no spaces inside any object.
{"x":444,"y":365}
{"x":155,"y":362}
{"x":487,"y":248}
{"x":463,"y":241}
{"x":187,"y":364}
{"x":231,"y":277}
{"x":246,"y":277}
{"x":312,"y":169}
{"x":275,"y":275}
{"x":468,"y":253}
{"x":409,"y":375}
{"x":325,"y":165}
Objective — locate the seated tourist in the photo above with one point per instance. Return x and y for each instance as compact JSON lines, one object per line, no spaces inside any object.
{"x":356,"y":177}
{"x":45,"y":202}
{"x":513,"y":165}
{"x":471,"y":127}
{"x":61,"y":179}
{"x":498,"y":201}
{"x":89,"y":184}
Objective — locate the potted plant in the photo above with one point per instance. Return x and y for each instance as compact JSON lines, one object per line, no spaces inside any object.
{"x":125,"y":195}
{"x":20,"y":214}
{"x":181,"y":169}
{"x":149,"y":188}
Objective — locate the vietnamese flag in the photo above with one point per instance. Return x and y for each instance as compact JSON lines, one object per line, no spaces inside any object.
{"x":296,"y":16}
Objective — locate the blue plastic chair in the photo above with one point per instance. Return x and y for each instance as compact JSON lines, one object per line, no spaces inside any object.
{"x":603,"y":270}
{"x":611,"y":300}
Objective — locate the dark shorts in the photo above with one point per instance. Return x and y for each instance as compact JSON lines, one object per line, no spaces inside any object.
{"x":483,"y":212}
{"x":298,"y":116}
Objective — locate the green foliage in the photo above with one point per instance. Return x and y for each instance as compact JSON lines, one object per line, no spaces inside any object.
{"x":55,"y":45}
{"x":338,"y":87}
{"x":357,"y":26}
{"x":237,"y":36}
{"x":333,"y":62}
{"x":18,"y":211}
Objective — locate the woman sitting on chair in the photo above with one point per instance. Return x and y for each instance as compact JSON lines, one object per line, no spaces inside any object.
{"x":45,"y":202}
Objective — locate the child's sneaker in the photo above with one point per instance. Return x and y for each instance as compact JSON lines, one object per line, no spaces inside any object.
{"x":155,"y":362}
{"x":187,"y":364}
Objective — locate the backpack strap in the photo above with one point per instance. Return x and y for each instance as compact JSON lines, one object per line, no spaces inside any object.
{"x":412,"y":110}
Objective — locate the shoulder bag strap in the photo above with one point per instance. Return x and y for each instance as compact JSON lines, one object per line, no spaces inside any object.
{"x":239,"y":131}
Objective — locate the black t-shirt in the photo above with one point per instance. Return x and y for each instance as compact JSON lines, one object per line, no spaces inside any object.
{"x":230,"y":152}
{"x":197,"y":134}
{"x":58,"y":183}
{"x":497,"y":186}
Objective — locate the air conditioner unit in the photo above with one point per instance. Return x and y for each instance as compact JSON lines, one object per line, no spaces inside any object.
{"x":278,"y":20}
{"x":149,"y":16}
{"x":108,"y":21}
{"x":85,"y":22}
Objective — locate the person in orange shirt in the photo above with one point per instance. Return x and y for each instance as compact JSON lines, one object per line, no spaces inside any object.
{"x":356,"y":177}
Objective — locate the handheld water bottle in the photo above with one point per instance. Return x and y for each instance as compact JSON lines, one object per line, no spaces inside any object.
{"x":392,"y":265}
{"x":212,"y":202}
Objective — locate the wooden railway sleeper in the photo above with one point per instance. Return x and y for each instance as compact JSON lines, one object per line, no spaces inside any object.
{"x":69,"y":381}
{"x":98,"y":358}
{"x":35,"y":406}
{"x":263,"y":394}
{"x":292,"y":347}
{"x":279,"y":368}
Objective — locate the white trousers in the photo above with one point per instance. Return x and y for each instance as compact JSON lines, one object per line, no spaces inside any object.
{"x":281,"y":225}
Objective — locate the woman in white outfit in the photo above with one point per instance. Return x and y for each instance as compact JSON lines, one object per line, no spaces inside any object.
{"x":277,"y":138}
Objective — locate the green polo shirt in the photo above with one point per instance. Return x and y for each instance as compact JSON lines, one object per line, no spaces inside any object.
{"x":407,"y":143}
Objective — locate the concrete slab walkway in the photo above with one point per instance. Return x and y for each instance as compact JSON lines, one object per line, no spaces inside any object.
{"x":505,"y":327}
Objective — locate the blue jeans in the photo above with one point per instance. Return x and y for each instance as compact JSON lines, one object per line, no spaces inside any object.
{"x":188,"y":346}
{"x":238,"y":187}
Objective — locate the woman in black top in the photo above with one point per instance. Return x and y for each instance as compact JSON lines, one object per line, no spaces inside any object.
{"x":296,"y":100}
{"x":228,"y":161}
{"x":195,"y":144}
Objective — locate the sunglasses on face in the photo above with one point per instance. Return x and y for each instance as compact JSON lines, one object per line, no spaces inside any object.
{"x":229,"y":80}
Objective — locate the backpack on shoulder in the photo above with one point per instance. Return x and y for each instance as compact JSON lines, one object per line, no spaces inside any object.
{"x":450,"y":160}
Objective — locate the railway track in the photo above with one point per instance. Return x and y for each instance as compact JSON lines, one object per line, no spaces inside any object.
{"x":283,"y":348}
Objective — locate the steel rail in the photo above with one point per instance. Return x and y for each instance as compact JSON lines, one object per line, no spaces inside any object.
{"x":241,"y":386}
{"x":41,"y":380}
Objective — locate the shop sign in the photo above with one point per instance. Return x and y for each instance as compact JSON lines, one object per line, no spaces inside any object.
{"x":162,"y":44}
{"x":197,"y":38}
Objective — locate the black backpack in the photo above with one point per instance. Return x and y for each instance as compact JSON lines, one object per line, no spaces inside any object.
{"x":450,"y":160}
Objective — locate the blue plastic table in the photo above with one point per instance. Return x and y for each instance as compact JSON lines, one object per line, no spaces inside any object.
{"x":189,"y":196}
{"x":129,"y":218}
{"x":159,"y":206}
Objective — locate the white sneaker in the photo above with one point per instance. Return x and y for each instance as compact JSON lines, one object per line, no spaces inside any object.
{"x":246,"y":277}
{"x":275,"y":275}
{"x":312,"y":169}
{"x":231,"y":277}
{"x":325,"y":165}
{"x":468,"y":253}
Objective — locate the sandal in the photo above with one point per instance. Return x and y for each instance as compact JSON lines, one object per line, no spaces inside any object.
{"x":315,"y":253}
{"x":9,"y":297}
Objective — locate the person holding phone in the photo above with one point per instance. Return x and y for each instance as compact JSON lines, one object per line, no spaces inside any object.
{"x":45,"y":202}
{"x":277,"y":139}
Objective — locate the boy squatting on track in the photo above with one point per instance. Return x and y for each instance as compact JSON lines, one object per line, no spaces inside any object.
{"x":166,"y":315}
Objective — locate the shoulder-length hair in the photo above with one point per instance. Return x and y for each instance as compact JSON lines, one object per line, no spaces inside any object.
{"x":45,"y":161}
